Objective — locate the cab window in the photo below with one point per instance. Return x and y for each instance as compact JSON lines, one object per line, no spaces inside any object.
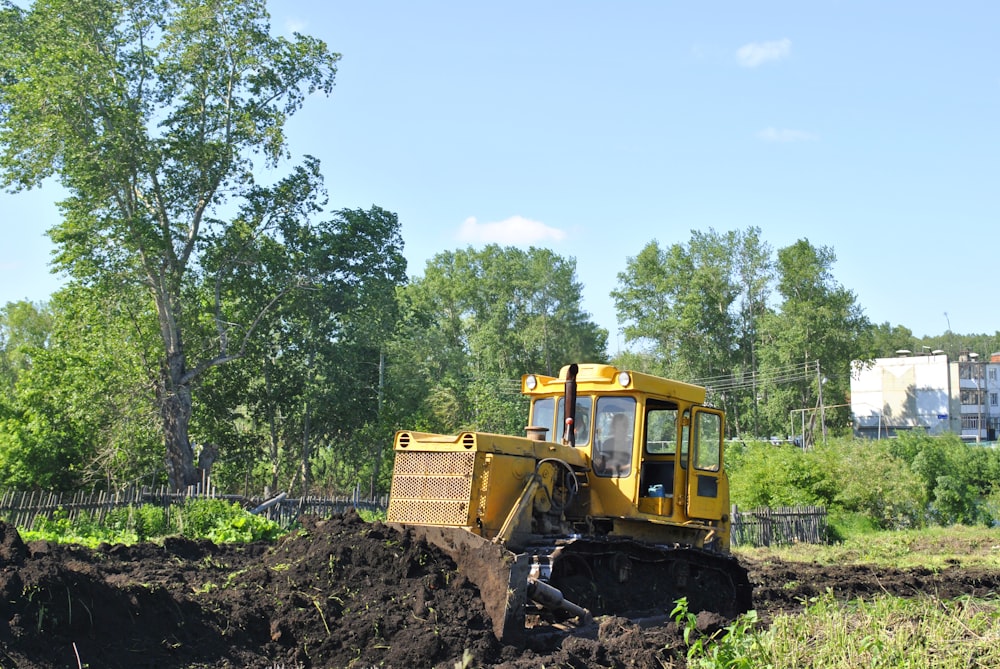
{"x":582,"y":422}
{"x":543,"y":415}
{"x":614,"y":427}
{"x":685,"y":437}
{"x":661,"y":429}
{"x":708,"y":442}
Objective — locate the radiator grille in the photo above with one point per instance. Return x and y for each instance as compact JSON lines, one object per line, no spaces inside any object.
{"x":431,"y":488}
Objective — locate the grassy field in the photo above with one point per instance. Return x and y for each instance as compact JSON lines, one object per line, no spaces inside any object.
{"x":881,"y":632}
{"x":932,"y":548}
{"x":887,"y":632}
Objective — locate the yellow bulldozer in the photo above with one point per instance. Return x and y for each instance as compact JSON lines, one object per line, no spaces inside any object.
{"x":616,"y":501}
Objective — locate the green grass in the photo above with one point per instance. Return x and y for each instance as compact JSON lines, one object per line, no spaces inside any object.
{"x":882,"y":632}
{"x":372,"y":516}
{"x":933,"y":548}
{"x":886,"y":632}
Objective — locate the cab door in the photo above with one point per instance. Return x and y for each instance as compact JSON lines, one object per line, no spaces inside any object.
{"x":705,"y":498}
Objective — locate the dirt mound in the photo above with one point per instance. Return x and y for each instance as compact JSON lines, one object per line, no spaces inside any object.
{"x":339,"y":593}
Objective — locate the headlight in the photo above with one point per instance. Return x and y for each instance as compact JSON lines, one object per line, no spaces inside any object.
{"x":624,"y":379}
{"x":531,"y":382}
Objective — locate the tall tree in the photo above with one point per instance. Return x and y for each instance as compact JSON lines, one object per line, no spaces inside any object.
{"x":755,"y":275}
{"x":479,"y":319}
{"x":810,"y":341}
{"x":697,"y":306}
{"x":150,"y":114}
{"x":25,"y":327}
{"x":682,"y":300}
{"x":313,"y":382}
{"x":886,"y":339}
{"x":82,"y":413}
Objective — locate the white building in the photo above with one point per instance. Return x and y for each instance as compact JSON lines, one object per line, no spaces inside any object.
{"x":903,"y":393}
{"x":927,"y":391}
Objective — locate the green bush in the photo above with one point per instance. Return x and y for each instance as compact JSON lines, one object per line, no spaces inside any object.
{"x":844,"y":524}
{"x":863,"y":477}
{"x":767,"y":475}
{"x":892,"y":483}
{"x":224,"y":522}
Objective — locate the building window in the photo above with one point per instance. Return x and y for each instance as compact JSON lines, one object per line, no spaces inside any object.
{"x":993,"y":373}
{"x":993,"y":399}
{"x":971,"y":371}
{"x":970,"y":422}
{"x":970,"y":397}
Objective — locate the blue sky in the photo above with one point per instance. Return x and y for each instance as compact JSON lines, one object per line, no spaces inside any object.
{"x":593,"y":128}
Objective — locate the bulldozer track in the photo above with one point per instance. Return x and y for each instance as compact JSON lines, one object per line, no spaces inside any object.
{"x":626,"y":577}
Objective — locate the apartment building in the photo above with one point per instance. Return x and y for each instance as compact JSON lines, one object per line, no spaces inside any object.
{"x":927,"y":390}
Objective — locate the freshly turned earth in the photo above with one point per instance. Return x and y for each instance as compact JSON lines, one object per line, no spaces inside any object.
{"x":340,"y":593}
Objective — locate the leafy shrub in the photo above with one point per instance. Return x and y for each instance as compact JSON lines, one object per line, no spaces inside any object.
{"x":223,"y":522}
{"x":216,"y":520}
{"x":864,"y":477}
{"x":737,"y":646}
{"x":767,"y":475}
{"x":893,"y":483}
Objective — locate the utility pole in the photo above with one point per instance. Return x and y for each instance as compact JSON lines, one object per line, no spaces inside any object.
{"x":822,"y":408}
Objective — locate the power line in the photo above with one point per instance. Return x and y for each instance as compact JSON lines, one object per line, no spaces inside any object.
{"x":775,"y":376}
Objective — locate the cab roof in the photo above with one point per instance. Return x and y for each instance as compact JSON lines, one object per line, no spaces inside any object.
{"x":592,"y":377}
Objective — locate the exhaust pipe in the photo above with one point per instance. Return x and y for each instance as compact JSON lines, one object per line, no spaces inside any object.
{"x":569,"y":434}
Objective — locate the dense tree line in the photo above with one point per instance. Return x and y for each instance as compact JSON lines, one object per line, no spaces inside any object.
{"x":314,"y":400}
{"x":348,"y":358}
{"x":215,"y":322}
{"x":769,"y":333}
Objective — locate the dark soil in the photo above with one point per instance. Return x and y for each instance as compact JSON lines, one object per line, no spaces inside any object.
{"x":341,"y":593}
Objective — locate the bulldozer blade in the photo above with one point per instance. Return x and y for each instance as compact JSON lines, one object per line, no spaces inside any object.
{"x":500,"y":575}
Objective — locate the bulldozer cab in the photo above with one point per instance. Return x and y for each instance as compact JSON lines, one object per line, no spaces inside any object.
{"x":654,"y":448}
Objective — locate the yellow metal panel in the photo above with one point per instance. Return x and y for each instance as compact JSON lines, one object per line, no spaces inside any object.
{"x":507,"y":477}
{"x":614,"y":496}
{"x":486,"y":442}
{"x":661,"y":506}
{"x":708,"y":494}
{"x":604,"y":379}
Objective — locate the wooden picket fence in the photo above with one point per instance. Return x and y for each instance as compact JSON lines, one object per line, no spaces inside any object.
{"x":23,"y":508}
{"x":754,"y":527}
{"x":782,"y":525}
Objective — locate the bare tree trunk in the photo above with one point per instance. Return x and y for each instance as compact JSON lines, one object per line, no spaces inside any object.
{"x":174,"y":392}
{"x":209,"y":454}
{"x":274,"y":445}
{"x":175,"y":412}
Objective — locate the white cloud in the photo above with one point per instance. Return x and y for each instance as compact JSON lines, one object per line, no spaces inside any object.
{"x":785,"y":135}
{"x":293,"y":26}
{"x":758,"y":53}
{"x":513,"y":230}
